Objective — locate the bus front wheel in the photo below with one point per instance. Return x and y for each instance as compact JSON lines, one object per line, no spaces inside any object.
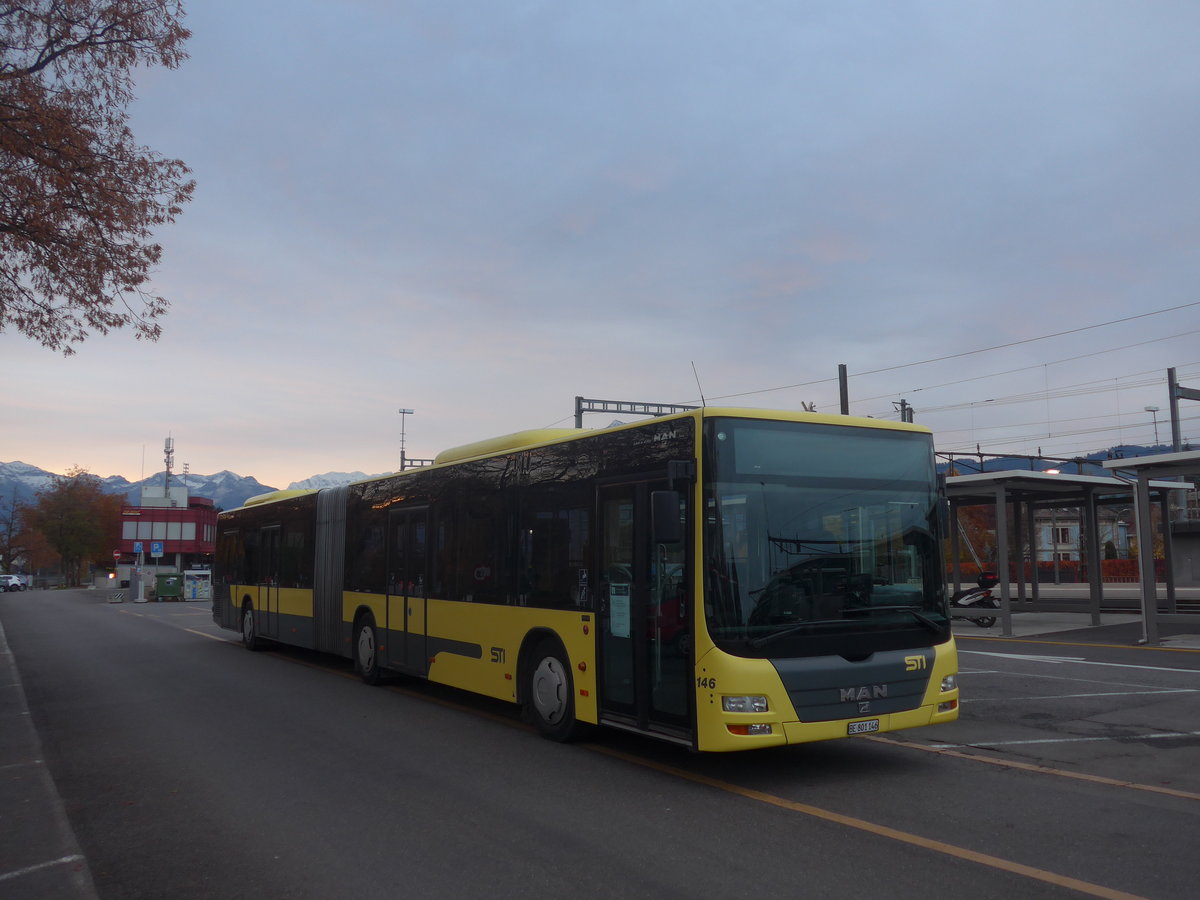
{"x":250,"y":638}
{"x":366,"y":652}
{"x":550,"y":694}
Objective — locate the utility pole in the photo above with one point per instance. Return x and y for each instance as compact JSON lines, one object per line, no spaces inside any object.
{"x":1176,"y":392}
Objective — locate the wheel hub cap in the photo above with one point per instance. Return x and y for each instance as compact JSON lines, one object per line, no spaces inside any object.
{"x":550,"y":690}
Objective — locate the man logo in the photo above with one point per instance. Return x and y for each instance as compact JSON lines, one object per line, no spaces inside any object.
{"x":866,"y":692}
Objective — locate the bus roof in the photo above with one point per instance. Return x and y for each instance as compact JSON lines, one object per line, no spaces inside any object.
{"x":271,"y":496}
{"x":522,"y":440}
{"x":516,"y":440}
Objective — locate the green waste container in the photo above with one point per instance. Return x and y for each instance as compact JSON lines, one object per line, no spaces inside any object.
{"x":169,"y":586}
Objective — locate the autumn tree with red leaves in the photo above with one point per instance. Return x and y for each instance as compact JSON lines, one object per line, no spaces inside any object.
{"x":77,"y":519}
{"x":79,"y":198}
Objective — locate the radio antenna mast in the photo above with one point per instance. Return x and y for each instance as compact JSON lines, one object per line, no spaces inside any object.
{"x":404,"y":413}
{"x":169,"y":458}
{"x":700,"y":389}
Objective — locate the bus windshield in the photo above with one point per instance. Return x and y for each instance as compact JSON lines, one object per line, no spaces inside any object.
{"x":816,"y":532}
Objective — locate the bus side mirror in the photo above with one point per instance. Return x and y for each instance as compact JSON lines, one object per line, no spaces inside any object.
{"x":665,"y":526}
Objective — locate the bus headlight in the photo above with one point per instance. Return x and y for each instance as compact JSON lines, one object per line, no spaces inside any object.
{"x":744,"y":704}
{"x":949,"y":683}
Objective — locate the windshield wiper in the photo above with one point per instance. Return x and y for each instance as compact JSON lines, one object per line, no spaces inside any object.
{"x":792,"y":629}
{"x":914,"y":611}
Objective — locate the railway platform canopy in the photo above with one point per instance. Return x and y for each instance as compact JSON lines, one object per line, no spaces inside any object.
{"x":1145,"y":472}
{"x":1022,"y":493}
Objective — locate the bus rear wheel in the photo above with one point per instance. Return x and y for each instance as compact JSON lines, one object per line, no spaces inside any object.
{"x":550,"y":693}
{"x":366,"y":650}
{"x":250,"y":638}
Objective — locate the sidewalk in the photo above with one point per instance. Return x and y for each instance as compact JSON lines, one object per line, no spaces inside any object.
{"x":39,"y":856}
{"x":1122,"y":591}
{"x":1114,"y":628}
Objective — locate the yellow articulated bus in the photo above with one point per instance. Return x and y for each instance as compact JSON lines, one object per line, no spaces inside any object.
{"x":725,"y":579}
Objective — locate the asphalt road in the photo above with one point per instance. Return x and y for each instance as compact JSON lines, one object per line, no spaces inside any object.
{"x":188,"y":767}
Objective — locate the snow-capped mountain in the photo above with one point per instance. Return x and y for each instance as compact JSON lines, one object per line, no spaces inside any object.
{"x":226,"y":489}
{"x":20,"y":482}
{"x":329,"y":479}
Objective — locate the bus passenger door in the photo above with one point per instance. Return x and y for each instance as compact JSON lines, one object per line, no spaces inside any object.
{"x":268,"y":581}
{"x":644,"y":617}
{"x":408,"y":570}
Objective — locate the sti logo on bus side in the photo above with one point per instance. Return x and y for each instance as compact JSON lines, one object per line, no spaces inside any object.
{"x":866,"y":692}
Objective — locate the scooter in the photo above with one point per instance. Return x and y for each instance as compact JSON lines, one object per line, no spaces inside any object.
{"x":977,"y":598}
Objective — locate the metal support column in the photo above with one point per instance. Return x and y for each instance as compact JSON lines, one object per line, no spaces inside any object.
{"x":1164,"y":506}
{"x":955,"y":565}
{"x":1031,"y":538}
{"x":1146,"y":559}
{"x":1005,"y":571}
{"x":1091,"y":527}
{"x":1019,"y":537}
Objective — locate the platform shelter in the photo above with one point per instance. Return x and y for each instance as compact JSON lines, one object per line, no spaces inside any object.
{"x":1147,"y":473}
{"x":1024,"y":492}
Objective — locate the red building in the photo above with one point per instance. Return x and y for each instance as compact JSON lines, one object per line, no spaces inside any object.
{"x":183,"y":528}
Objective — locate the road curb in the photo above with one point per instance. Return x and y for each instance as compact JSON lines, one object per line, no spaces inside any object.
{"x":40,"y":858}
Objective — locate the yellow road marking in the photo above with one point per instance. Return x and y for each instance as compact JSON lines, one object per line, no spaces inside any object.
{"x":205,"y":634}
{"x":985,"y":859}
{"x":1041,"y":770}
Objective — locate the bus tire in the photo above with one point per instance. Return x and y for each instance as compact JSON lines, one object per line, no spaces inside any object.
{"x":250,"y":638}
{"x":550,"y":693}
{"x":366,"y":650}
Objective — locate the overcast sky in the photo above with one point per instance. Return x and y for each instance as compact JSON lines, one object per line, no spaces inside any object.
{"x":479,"y":210}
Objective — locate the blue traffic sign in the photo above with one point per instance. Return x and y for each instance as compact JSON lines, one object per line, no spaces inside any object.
{"x":156,"y":548}
{"x":137,"y":546}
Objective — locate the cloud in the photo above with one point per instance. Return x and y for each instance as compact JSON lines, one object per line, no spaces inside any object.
{"x":479,"y":211}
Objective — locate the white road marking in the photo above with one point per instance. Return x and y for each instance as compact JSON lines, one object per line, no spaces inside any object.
{"x":1078,"y":660}
{"x":1077,"y":740}
{"x":8,"y":876}
{"x":1078,"y":696}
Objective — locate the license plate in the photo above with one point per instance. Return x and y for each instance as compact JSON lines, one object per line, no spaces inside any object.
{"x":863,"y":727}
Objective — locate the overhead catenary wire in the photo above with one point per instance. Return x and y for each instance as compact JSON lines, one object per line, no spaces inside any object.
{"x":964,"y":353}
{"x":1042,"y":436}
{"x":1076,"y":390}
{"x":1118,"y":423}
{"x":1119,"y":426}
{"x":1054,"y":362}
{"x":1042,"y":396}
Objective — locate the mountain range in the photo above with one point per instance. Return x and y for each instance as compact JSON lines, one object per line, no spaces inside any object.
{"x":21,"y":482}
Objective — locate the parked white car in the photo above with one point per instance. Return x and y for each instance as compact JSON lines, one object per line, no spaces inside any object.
{"x":12,"y":583}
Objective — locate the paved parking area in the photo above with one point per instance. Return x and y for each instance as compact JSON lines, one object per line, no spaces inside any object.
{"x":1113,"y":628}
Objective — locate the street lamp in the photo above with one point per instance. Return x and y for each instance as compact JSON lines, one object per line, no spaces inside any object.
{"x":403,"y":413}
{"x":1153,"y":410}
